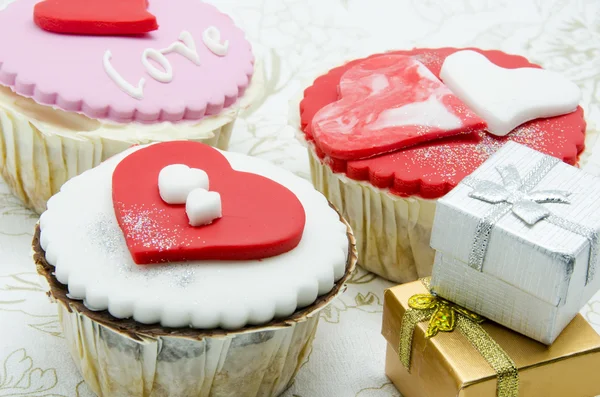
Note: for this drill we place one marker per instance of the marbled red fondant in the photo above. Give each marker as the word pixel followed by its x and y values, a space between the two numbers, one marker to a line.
pixel 388 103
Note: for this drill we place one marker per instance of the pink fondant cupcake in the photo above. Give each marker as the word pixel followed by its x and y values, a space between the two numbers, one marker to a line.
pixel 70 101
pixel 183 271
pixel 390 134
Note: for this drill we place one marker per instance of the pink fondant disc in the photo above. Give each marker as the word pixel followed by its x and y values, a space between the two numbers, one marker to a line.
pixel 67 71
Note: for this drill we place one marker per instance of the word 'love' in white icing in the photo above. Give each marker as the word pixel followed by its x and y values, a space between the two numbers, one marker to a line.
pixel 186 46
pixel 176 182
pixel 507 98
pixel 203 207
pixel 180 184
pixel 212 40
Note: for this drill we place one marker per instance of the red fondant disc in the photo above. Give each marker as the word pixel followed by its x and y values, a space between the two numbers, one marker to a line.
pixel 432 169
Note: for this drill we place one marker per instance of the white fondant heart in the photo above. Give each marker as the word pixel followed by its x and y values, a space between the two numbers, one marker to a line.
pixel 507 98
pixel 203 207
pixel 176 181
pixel 212 40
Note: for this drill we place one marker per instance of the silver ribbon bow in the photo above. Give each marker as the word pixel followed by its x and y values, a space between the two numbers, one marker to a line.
pixel 525 205
pixel 516 195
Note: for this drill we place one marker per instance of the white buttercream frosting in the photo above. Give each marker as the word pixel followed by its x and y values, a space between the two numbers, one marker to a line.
pixel 82 239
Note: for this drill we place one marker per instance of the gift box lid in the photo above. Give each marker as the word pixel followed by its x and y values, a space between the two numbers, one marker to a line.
pixel 448 363
pixel 527 219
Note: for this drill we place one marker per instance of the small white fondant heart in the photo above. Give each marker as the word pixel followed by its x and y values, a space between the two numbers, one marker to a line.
pixel 176 181
pixel 507 98
pixel 212 40
pixel 203 207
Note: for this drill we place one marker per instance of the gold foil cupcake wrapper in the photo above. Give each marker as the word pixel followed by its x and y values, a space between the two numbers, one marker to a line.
pixel 392 232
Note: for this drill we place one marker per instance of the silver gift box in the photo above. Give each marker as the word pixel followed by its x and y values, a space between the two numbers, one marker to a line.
pixel 517 242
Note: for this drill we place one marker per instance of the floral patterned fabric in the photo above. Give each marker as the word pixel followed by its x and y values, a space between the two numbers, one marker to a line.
pixel 296 40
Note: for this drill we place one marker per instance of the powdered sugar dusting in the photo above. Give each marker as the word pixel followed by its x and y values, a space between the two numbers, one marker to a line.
pixel 144 229
pixel 453 161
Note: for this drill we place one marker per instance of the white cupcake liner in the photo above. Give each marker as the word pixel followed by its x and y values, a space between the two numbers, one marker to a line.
pixel 122 358
pixel 259 363
pixel 36 161
pixel 35 165
pixel 392 233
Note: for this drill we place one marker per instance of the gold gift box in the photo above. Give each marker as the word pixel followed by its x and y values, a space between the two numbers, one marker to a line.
pixel 448 365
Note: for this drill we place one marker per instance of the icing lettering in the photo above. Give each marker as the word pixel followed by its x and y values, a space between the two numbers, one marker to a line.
pixel 165 76
pixel 212 40
pixel 186 47
pixel 136 92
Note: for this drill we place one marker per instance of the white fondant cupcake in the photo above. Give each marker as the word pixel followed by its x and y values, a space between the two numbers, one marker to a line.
pixel 153 306
pixel 70 101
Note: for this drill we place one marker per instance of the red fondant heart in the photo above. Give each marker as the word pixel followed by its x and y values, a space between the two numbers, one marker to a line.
pixel 388 103
pixel 261 218
pixel 95 17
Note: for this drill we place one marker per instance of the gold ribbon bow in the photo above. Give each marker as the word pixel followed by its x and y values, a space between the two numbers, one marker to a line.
pixel 444 313
pixel 445 316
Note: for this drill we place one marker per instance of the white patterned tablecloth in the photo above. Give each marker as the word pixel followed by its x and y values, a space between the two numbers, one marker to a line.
pixel 296 40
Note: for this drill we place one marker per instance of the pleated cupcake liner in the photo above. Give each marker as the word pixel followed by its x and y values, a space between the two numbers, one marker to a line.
pixel 35 165
pixel 36 162
pixel 392 233
pixel 123 358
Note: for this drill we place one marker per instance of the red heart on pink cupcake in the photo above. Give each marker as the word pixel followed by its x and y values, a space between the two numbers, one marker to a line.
pixel 95 17
pixel 388 103
pixel 260 217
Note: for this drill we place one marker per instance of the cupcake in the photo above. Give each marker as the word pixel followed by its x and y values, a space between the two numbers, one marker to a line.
pixel 390 134
pixel 84 88
pixel 180 270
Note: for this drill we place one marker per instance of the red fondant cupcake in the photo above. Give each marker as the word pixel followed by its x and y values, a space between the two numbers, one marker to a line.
pixel 390 134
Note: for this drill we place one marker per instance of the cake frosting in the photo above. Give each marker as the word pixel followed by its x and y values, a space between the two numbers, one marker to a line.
pixel 164 75
pixel 83 241
pixel 430 169
pixel 389 103
pixel 507 97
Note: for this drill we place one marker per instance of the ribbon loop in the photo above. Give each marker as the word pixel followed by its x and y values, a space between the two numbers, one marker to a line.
pixel 515 195
pixel 530 212
pixel 525 204
pixel 510 177
pixel 446 316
